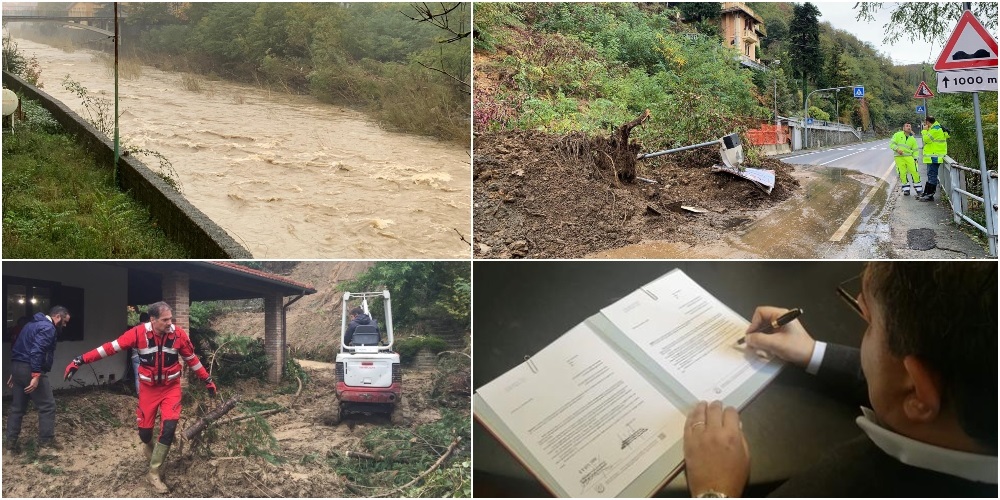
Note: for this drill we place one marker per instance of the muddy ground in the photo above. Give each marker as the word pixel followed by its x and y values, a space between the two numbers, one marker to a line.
pixel 101 456
pixel 538 195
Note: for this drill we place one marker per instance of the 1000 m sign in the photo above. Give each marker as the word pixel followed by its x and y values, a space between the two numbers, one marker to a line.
pixel 972 80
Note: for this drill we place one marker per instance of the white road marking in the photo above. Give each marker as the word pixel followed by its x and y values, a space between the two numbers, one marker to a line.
pixel 841 158
pixel 846 226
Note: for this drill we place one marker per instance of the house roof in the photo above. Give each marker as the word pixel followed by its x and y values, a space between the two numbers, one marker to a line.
pixel 208 280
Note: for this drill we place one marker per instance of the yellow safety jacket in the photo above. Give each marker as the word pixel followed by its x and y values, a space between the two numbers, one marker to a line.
pixel 903 145
pixel 935 143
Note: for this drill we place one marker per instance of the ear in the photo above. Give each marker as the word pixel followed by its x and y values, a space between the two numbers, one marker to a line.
pixel 923 404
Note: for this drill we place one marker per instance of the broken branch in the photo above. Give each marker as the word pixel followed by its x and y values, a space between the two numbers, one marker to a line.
pixel 209 417
pixel 447 453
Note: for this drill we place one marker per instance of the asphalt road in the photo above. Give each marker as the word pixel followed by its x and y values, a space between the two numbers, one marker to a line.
pixel 872 158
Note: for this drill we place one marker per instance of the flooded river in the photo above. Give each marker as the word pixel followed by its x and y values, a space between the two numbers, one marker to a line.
pixel 286 175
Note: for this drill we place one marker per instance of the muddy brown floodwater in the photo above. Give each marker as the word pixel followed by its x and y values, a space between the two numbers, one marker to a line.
pixel 286 175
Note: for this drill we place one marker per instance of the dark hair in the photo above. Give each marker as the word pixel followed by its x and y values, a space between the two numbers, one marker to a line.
pixel 144 317
pixel 156 309
pixel 945 314
pixel 356 310
pixel 58 311
pixel 930 119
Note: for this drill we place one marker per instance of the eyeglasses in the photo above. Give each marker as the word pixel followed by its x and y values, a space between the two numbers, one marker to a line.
pixel 849 290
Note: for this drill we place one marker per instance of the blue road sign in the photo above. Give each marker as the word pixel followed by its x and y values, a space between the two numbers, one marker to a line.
pixel 859 91
pixel 921 109
pixel 809 121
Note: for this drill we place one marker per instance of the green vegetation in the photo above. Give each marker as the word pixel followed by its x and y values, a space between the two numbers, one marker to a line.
pixel 587 67
pixel 408 347
pixel 405 453
pixel 59 203
pixel 15 62
pixel 428 292
pixel 412 75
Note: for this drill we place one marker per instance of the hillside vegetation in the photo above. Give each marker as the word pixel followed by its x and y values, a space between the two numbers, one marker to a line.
pixel 585 67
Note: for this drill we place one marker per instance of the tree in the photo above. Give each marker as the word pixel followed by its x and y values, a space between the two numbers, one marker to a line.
pixel 421 291
pixel 926 21
pixel 806 56
pixel 700 11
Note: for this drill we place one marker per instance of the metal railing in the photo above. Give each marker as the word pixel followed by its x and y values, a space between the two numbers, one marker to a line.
pixel 954 185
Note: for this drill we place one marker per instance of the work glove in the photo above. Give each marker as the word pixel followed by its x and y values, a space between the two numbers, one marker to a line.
pixel 210 385
pixel 72 367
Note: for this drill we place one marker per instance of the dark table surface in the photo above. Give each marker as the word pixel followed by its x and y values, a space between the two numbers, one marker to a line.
pixel 520 307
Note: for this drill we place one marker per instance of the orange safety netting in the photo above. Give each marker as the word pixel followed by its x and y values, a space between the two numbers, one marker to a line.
pixel 768 134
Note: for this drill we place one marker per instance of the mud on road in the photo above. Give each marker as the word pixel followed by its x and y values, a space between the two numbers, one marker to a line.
pixel 101 456
pixel 538 195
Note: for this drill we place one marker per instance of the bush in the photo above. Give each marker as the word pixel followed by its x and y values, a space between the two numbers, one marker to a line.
pixel 237 358
pixel 408 347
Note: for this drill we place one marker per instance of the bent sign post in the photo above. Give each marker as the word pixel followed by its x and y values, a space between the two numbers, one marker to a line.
pixel 968 63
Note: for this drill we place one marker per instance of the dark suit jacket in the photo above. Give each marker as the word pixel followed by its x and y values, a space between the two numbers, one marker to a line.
pixel 859 468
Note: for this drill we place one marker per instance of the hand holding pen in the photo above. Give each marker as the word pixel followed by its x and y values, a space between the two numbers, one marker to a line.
pixel 778 331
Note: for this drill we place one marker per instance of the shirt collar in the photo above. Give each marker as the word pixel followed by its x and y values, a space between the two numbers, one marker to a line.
pixel 50 319
pixel 971 466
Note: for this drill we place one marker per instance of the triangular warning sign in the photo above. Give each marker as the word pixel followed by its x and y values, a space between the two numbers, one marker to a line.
pixel 923 91
pixel 970 46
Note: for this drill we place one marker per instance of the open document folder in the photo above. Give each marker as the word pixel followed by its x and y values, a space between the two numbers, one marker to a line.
pixel 600 411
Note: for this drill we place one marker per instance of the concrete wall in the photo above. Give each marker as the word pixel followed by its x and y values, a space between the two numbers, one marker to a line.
pixel 176 216
pixel 820 136
pixel 105 318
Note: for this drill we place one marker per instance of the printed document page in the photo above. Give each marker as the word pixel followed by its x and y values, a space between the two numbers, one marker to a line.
pixel 585 414
pixel 689 333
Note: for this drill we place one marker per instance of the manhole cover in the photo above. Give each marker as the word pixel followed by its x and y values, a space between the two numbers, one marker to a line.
pixel 920 239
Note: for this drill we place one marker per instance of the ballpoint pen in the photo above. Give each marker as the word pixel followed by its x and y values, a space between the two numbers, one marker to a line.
pixel 776 323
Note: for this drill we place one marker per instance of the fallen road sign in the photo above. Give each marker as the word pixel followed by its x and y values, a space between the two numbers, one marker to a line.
pixel 969 80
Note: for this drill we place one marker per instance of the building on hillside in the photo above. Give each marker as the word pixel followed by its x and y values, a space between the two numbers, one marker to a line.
pixel 98 295
pixel 742 29
pixel 83 9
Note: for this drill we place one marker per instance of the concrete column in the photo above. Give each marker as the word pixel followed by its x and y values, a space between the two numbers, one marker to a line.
pixel 177 293
pixel 274 337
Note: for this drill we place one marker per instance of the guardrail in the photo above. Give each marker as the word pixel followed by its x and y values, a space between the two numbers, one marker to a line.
pixel 954 185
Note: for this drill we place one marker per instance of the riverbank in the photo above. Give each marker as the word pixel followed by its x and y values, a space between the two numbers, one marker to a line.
pixel 286 175
pixel 58 203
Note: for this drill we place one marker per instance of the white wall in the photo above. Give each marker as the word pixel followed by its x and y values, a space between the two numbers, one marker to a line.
pixel 104 301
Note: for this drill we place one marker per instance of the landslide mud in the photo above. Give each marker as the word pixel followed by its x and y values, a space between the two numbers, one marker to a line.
pixel 538 195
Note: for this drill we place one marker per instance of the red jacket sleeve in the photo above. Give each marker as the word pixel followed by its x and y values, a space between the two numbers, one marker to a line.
pixel 126 341
pixel 186 349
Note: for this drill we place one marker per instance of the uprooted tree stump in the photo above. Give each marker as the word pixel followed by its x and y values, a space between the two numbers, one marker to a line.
pixel 617 153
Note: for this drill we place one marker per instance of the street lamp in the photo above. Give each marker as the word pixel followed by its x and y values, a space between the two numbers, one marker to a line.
pixel 805 114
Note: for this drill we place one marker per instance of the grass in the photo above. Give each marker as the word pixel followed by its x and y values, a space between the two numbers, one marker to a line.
pixel 59 203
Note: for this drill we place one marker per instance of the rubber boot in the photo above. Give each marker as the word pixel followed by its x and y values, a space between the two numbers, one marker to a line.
pixel 906 190
pixel 147 450
pixel 155 475
pixel 928 193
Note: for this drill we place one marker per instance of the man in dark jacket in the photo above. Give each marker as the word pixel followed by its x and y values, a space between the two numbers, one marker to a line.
pixel 31 361
pixel 928 383
pixel 358 318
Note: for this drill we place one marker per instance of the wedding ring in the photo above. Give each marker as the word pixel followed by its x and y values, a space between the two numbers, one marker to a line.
pixel 696 424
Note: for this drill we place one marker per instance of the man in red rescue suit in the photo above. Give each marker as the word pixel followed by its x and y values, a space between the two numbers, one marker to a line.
pixel 161 347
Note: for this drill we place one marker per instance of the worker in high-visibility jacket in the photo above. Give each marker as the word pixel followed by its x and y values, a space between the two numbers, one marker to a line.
pixel 935 149
pixel 161 347
pixel 904 150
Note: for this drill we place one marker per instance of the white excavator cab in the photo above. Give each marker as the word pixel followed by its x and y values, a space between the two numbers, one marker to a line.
pixel 369 377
